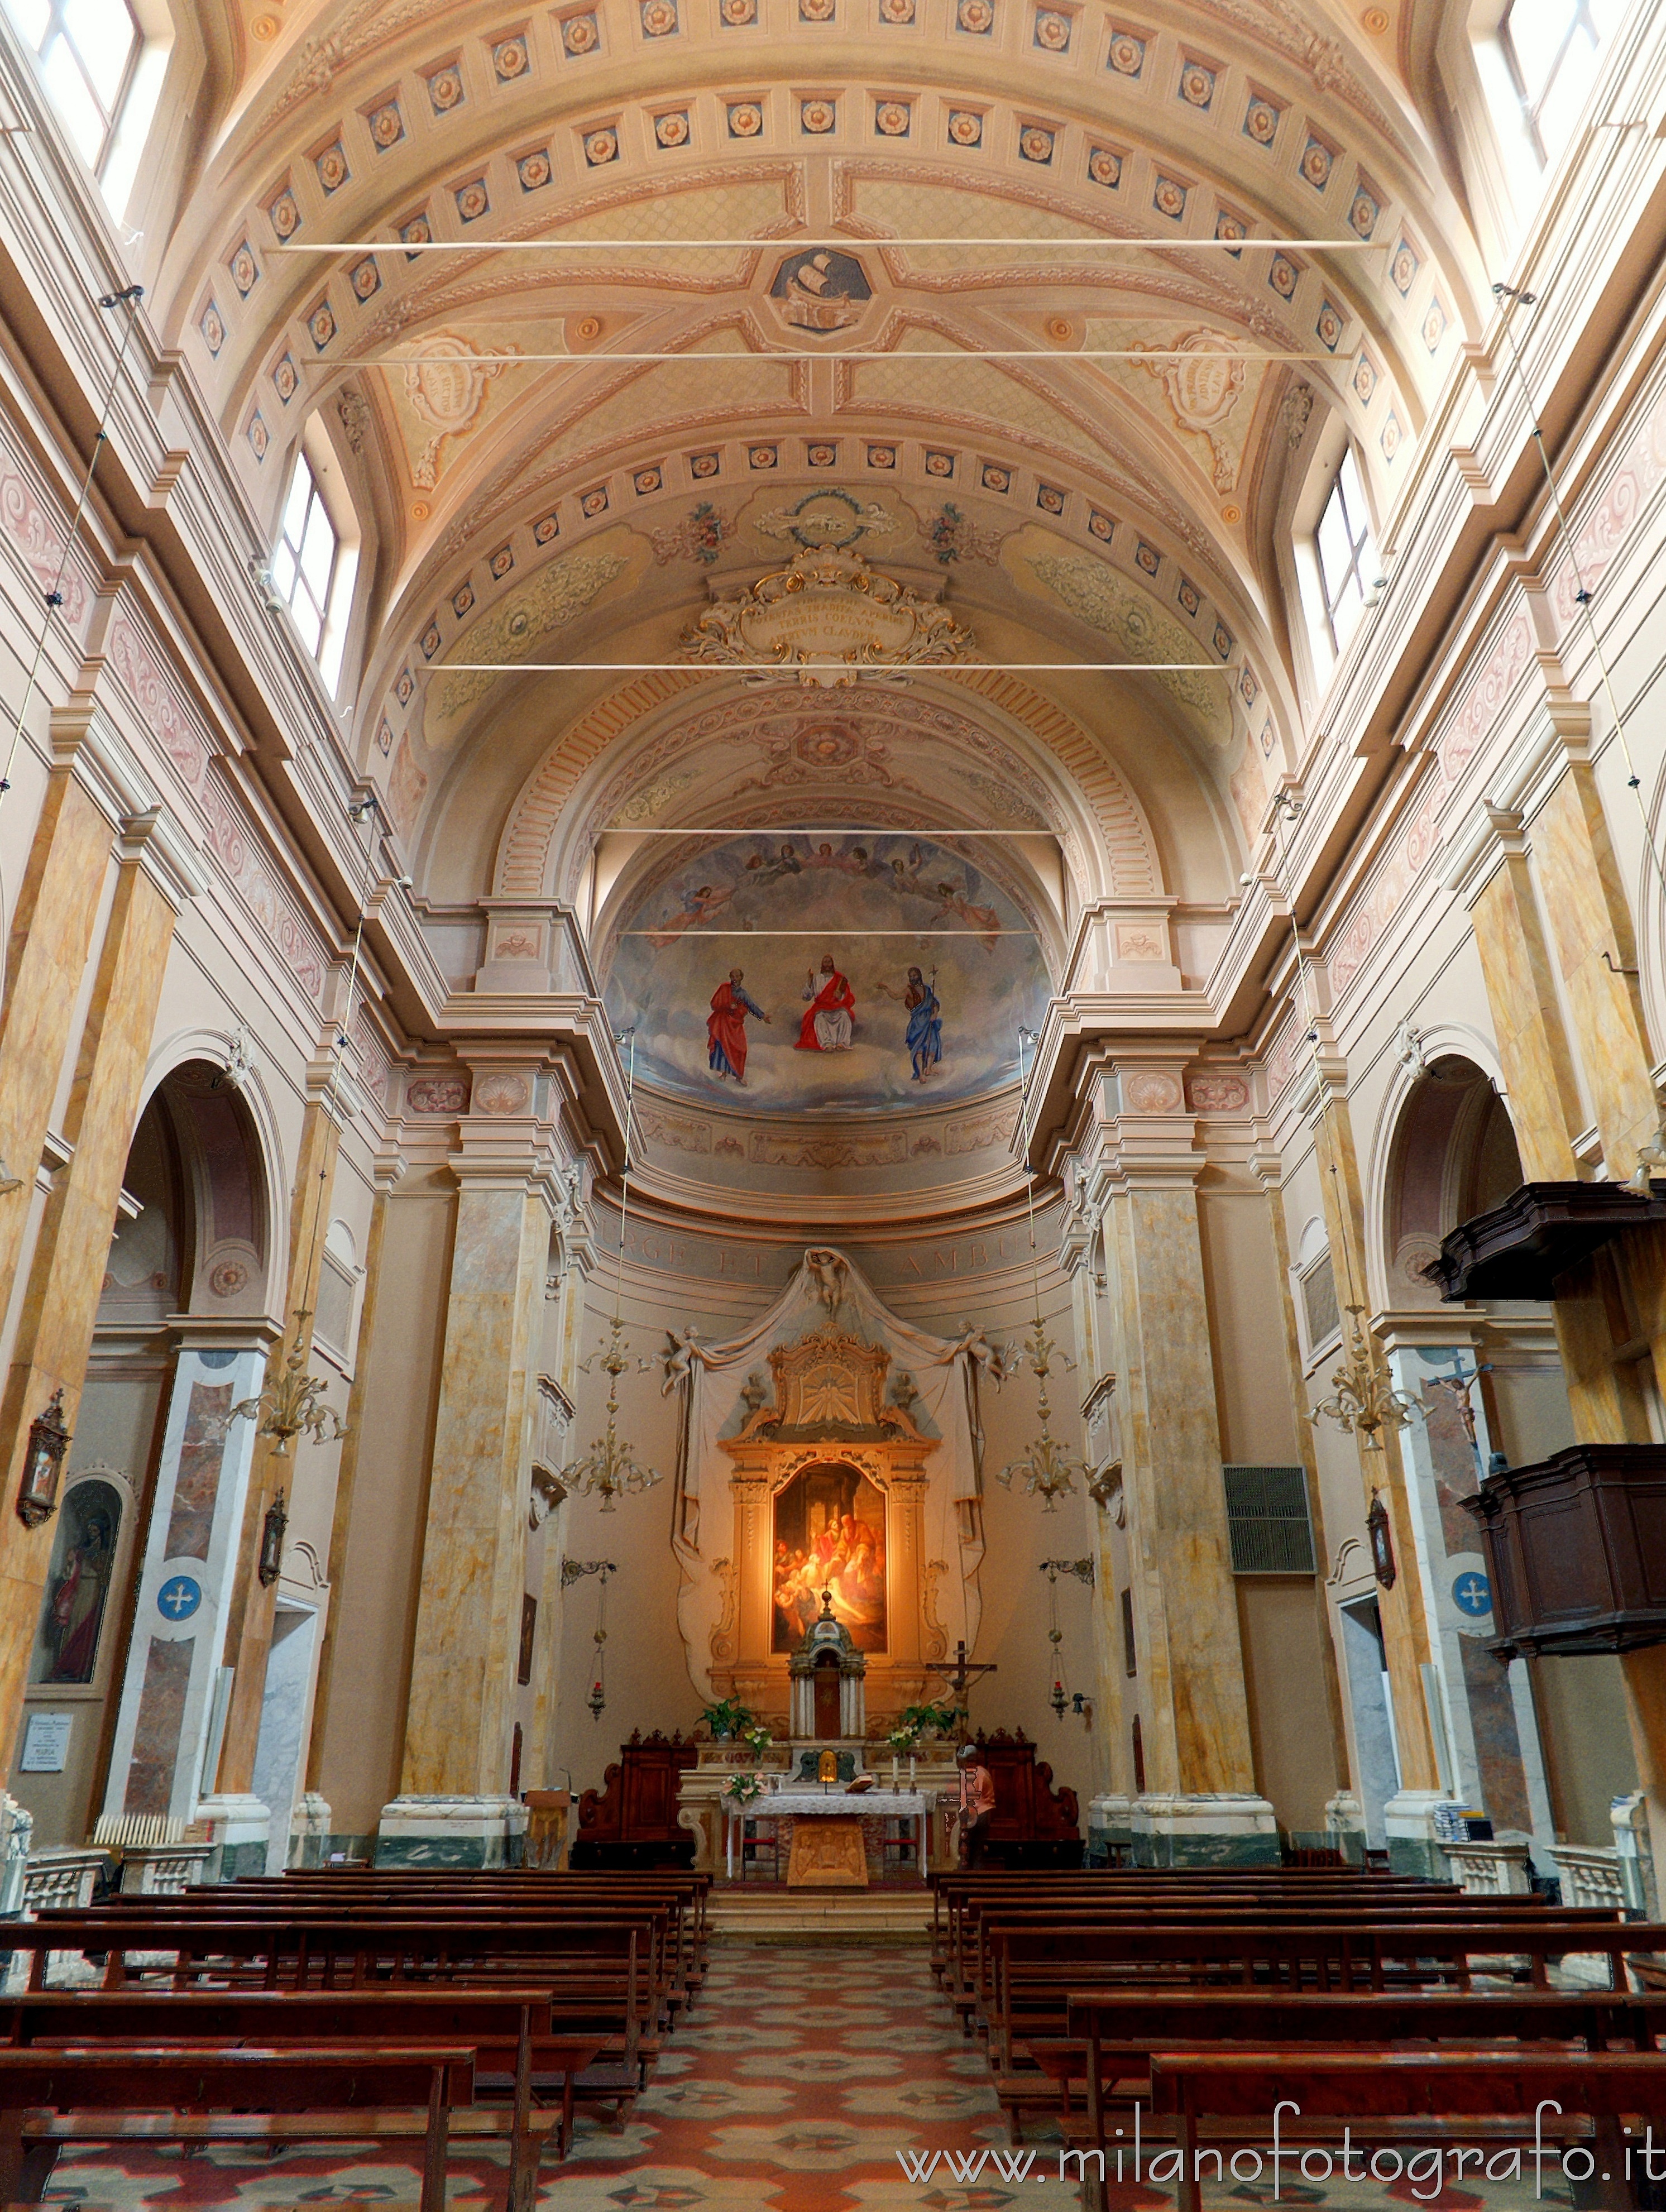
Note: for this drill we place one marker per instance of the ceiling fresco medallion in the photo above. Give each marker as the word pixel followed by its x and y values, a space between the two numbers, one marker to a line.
pixel 831 517
pixel 826 621
pixel 820 291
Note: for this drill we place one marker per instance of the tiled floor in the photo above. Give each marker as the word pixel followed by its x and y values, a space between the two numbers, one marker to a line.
pixel 802 2073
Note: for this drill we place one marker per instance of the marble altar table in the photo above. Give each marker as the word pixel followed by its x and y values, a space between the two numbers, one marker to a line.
pixel 912 1805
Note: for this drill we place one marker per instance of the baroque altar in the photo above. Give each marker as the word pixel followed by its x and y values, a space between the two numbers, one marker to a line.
pixel 828 1526
pixel 832 1447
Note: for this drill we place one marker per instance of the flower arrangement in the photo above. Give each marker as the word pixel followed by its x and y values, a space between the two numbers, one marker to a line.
pixel 727 1718
pixel 917 1721
pixel 744 1789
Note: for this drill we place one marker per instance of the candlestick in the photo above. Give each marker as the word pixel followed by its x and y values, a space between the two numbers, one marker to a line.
pixel 893 1770
pixel 910 1770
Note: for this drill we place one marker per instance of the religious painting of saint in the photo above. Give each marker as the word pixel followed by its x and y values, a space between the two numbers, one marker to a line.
pixel 830 1535
pixel 827 1026
pixel 923 1041
pixel 726 1026
pixel 79 1585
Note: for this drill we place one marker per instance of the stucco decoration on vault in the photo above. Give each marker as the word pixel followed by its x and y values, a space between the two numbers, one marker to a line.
pixel 513 631
pixel 1099 595
pixel 863 1007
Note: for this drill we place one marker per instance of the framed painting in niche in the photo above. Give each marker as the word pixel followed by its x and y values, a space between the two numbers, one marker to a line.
pixel 78 1588
pixel 829 1534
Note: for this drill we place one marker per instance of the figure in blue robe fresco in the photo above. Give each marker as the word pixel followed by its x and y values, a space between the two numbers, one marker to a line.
pixel 924 1038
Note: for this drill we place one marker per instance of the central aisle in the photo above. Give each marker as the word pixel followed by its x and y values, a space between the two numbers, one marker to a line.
pixel 803 2071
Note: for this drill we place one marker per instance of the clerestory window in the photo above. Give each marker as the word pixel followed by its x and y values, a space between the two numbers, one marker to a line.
pixel 89 50
pixel 313 569
pixel 1551 46
pixel 1344 554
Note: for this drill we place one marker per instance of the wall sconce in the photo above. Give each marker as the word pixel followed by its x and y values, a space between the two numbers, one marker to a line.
pixel 43 1464
pixel 271 1541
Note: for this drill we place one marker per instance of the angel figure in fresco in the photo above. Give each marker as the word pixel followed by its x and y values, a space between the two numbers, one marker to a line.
pixel 982 920
pixel 786 863
pixel 924 1039
pixel 726 1026
pixel 697 907
pixel 827 1026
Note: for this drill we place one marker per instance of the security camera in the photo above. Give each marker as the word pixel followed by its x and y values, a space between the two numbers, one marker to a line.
pixel 404 883
pixel 1246 881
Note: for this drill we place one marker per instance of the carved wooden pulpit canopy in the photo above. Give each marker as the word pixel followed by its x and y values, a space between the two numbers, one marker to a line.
pixel 828 1483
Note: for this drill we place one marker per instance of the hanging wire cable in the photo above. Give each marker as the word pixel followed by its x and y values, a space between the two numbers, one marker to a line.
pixel 1047 1468
pixel 53 596
pixel 609 1470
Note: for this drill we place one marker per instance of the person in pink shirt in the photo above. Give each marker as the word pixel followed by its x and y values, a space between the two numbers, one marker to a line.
pixel 976 1804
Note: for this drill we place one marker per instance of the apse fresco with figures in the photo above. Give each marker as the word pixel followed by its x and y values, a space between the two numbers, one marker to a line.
pixel 830 1535
pixel 907 975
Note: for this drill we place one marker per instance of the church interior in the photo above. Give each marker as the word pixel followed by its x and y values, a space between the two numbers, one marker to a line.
pixel 832 1204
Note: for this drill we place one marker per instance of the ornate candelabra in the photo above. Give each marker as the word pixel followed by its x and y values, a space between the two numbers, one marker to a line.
pixel 1047 1467
pixel 608 1469
pixel 292 1403
pixel 1363 1401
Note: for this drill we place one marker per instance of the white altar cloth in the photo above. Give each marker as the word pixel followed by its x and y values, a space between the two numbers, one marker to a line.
pixel 810 1803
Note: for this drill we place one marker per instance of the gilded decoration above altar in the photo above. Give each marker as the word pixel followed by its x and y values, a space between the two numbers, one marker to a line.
pixel 826 621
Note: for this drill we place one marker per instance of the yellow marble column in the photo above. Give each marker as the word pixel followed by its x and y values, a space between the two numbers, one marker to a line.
pixel 463 1668
pixel 1578 915
pixel 1406 1638
pixel 1195 1708
pixel 347 1468
pixel 66 1275
pixel 51 935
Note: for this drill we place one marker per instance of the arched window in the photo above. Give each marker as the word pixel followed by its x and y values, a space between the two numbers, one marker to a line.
pixel 89 50
pixel 316 559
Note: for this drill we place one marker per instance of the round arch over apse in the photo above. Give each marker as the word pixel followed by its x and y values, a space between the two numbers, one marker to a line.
pixel 1103 831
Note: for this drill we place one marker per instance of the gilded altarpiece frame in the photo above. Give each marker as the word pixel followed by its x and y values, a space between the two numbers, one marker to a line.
pixel 829 1411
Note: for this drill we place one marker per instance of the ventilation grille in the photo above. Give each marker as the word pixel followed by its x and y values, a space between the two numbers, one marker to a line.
pixel 1266 1519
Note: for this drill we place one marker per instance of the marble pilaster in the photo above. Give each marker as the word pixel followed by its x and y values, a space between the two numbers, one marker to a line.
pixel 60 1304
pixel 459 1715
pixel 1403 1608
pixel 388 1174
pixel 1194 1705
pixel 51 935
pixel 1579 909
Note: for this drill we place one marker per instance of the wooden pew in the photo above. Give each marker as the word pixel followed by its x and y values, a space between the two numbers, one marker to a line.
pixel 1112 2034
pixel 959 1900
pixel 663 1974
pixel 515 2044
pixel 592 1969
pixel 332 2093
pixel 1433 2099
pixel 1028 1968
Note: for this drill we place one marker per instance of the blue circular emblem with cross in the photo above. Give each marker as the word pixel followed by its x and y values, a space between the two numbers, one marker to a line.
pixel 178 1597
pixel 1473 1594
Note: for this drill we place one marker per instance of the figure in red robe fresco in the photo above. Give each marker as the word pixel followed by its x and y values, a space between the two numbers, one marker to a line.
pixel 827 1026
pixel 726 1026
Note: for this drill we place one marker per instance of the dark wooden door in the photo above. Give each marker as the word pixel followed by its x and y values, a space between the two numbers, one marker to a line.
pixel 827 1702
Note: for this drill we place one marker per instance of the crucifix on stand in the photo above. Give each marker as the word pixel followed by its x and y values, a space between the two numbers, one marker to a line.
pixel 960 1677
